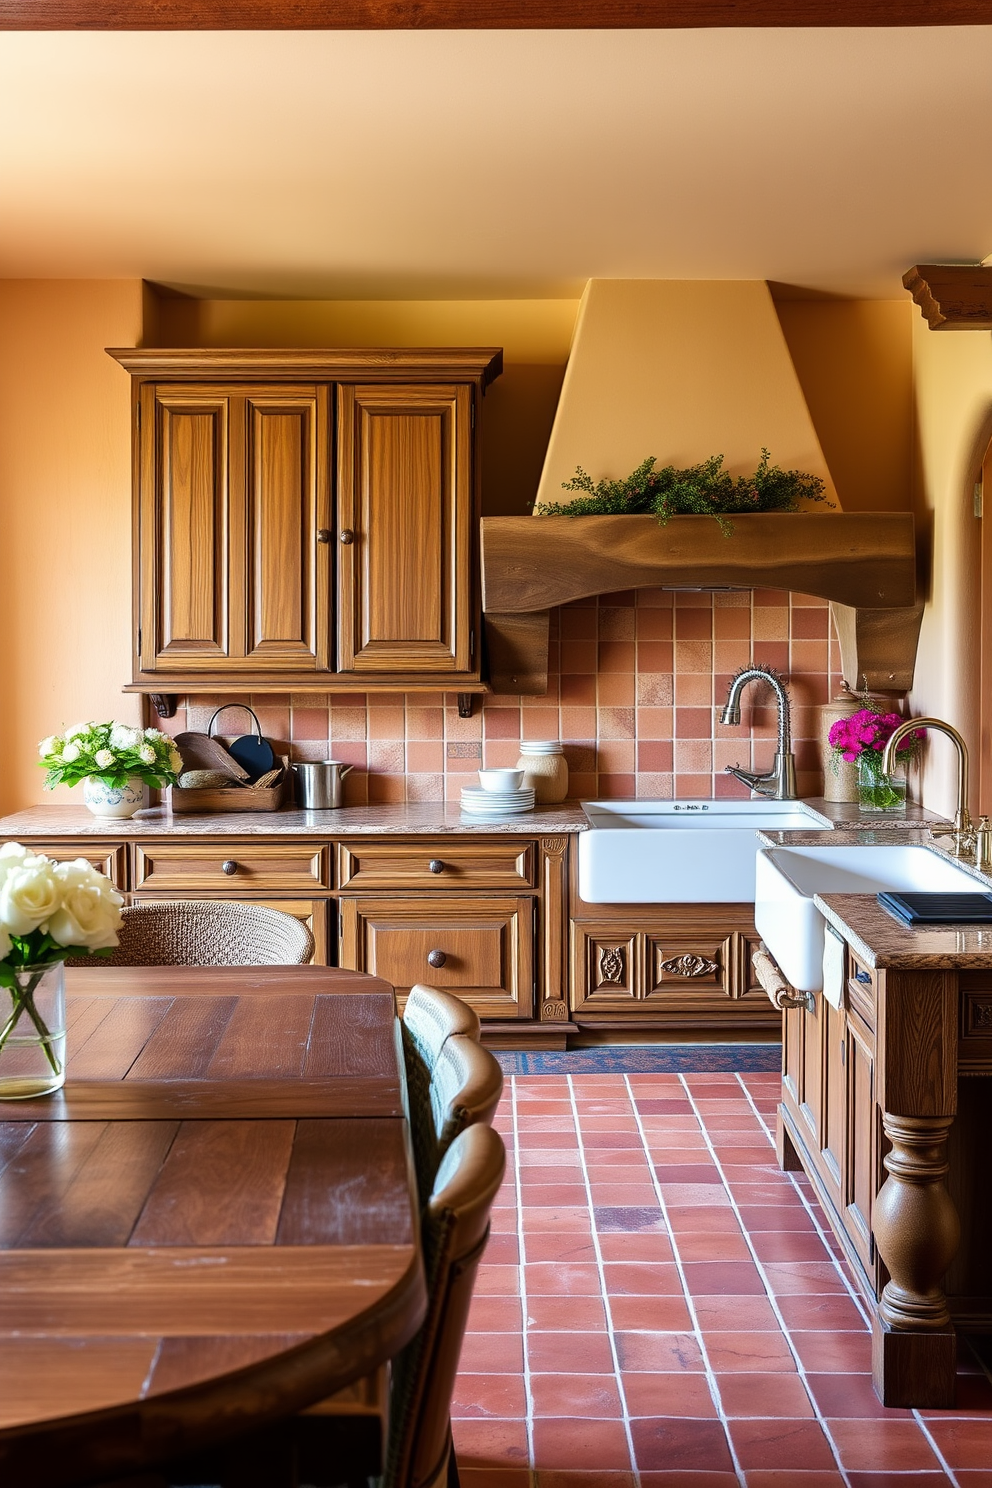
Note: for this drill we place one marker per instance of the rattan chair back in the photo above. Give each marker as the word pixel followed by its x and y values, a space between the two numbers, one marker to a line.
pixel 190 932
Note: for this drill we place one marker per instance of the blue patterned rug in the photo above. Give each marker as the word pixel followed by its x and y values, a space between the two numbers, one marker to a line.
pixel 644 1059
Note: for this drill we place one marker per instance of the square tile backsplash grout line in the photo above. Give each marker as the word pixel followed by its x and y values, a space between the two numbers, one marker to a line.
pixel 711 1379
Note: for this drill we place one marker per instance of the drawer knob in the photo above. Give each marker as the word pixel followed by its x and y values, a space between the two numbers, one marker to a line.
pixel 229 866
pixel 436 958
pixel 347 537
pixel 323 534
pixel 435 865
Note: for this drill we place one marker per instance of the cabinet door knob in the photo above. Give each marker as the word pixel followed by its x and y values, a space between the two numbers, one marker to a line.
pixel 436 958
pixel 435 865
pixel 347 537
pixel 323 534
pixel 229 866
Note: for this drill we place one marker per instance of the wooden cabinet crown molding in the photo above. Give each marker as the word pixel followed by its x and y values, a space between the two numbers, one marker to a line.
pixel 952 297
pixel 336 364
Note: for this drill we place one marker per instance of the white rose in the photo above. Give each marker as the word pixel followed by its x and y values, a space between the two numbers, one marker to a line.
pixel 13 855
pixel 51 745
pixel 146 754
pixel 90 913
pixel 71 753
pixel 124 737
pixel 105 758
pixel 29 896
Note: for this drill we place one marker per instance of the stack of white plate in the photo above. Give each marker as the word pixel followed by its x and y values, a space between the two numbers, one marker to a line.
pixel 479 802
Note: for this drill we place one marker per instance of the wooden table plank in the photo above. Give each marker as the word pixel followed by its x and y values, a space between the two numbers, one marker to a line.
pixel 183 1044
pixel 266 1037
pixel 164 1100
pixel 110 1048
pixel 352 1037
pixel 221 1184
pixel 88 1373
pixel 98 980
pixel 348 1185
pixel 42 1173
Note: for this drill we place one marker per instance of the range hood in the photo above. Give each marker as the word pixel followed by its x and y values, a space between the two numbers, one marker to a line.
pixel 683 370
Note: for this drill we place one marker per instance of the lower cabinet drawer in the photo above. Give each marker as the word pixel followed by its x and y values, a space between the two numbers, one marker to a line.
pixel 312 912
pixel 438 863
pixel 481 949
pixel 109 860
pixel 191 867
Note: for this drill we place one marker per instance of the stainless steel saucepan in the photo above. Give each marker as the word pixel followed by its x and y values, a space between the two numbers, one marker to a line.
pixel 318 786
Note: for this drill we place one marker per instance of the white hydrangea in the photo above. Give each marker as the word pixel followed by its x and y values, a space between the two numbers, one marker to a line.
pixel 151 733
pixel 77 730
pixel 105 758
pixel 175 760
pixel 51 745
pixel 122 736
pixel 71 753
pixel 146 754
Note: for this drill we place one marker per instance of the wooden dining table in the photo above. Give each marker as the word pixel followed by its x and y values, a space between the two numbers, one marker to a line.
pixel 212 1225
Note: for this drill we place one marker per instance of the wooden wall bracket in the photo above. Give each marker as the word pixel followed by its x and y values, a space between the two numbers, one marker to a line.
pixel 466 702
pixel 164 703
pixel 952 297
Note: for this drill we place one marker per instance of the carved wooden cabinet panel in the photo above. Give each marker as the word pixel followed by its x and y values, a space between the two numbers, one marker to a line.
pixel 232 491
pixel 405 507
pixel 479 948
pixel 683 965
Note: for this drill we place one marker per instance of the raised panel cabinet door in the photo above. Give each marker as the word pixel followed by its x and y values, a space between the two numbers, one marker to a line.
pixel 606 972
pixel 406 517
pixel 861 1168
pixel 286 601
pixel 109 860
pixel 184 527
pixel 480 949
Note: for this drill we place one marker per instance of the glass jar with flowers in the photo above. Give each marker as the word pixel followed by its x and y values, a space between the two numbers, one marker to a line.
pixel 860 739
pixel 114 762
pixel 48 911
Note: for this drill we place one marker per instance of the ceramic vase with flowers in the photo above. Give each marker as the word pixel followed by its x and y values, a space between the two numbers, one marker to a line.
pixel 860 739
pixel 48 911
pixel 114 762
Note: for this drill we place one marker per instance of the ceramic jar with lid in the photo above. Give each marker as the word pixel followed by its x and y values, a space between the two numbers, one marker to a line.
pixel 545 769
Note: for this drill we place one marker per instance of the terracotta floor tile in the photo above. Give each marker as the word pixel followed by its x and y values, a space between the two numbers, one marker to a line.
pixel 492 1353
pixel 776 1477
pixel 486 1443
pixel 792 1277
pixel 787 1245
pixel 758 1217
pixel 695 1246
pixel 754 1353
pixel 658 1394
pixel 770 1191
pixel 699 1172
pixel 799 1446
pixel 911 1480
pixel 829 1311
pixel 888 1446
pixel 588 1395
pixel 773 1395
pixel 502 1250
pixel 726 1314
pixel 576 1443
pixel 657 1314
pixel 579 1479
pixel 737 1278
pixel 640 1195
pixel 696 1195
pixel 559 1221
pixel 657 1352
pixel 711 1220
pixel 496 1281
pixel 626 1219
pixel 551 1196
pixel 824 1352
pixel 645 1245
pixel 495 1315
pixel 568 1250
pixel 558 1314
pixel 569 1353
pixel 669 1443
pixel 679 1479
pixel 642 1279
pixel 498 1395
pixel 493 1477
pixel 963 1443
pixel 851 1397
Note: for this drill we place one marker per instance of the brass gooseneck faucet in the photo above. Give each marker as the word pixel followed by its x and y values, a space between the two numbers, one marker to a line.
pixel 969 838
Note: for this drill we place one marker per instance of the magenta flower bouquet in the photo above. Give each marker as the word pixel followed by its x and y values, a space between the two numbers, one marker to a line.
pixel 861 739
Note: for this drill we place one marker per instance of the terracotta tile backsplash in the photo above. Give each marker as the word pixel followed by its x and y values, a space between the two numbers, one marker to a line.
pixel 636 684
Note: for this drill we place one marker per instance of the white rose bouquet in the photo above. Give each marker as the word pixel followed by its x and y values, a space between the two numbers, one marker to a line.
pixel 48 911
pixel 112 752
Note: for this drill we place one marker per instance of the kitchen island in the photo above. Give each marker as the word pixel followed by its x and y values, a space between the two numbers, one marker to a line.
pixel 887 1105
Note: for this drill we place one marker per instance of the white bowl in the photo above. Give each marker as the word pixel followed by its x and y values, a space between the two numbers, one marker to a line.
pixel 501 780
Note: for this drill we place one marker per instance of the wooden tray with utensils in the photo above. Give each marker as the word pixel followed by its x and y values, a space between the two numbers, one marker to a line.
pixel 265 795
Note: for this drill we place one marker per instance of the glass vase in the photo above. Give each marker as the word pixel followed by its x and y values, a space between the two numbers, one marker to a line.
pixel 32 1032
pixel 879 793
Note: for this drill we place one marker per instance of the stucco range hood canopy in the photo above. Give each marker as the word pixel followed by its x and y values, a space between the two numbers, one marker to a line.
pixel 685 370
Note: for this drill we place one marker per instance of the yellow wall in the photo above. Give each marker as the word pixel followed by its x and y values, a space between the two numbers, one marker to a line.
pixel 953 406
pixel 854 360
pixel 65 565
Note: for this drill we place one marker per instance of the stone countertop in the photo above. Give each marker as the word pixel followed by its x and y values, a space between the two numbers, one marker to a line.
pixel 884 944
pixel 422 819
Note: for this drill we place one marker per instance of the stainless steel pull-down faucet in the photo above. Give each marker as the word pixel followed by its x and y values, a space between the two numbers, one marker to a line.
pixel 780 782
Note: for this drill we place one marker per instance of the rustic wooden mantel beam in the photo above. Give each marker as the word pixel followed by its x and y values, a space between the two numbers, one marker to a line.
pixel 952 297
pixel 465 15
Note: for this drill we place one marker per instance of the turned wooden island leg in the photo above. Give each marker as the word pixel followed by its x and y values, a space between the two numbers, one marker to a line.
pixel 917 1231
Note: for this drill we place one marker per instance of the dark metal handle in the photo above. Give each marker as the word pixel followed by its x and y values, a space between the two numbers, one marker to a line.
pixel 435 865
pixel 862 976
pixel 436 958
pixel 347 537
pixel 323 534
pixel 229 866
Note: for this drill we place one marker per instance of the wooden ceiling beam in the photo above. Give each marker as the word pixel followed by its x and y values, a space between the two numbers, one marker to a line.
pixel 475 15
pixel 952 297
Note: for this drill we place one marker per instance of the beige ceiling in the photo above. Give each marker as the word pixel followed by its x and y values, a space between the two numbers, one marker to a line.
pixel 449 164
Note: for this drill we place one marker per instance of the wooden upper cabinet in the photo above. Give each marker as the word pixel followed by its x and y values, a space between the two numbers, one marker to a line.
pixel 233 488
pixel 406 513
pixel 306 518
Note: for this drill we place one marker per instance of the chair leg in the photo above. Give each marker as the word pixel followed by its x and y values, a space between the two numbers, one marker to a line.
pixel 454 1481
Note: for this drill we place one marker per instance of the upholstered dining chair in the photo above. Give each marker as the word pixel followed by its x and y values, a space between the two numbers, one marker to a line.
pixel 430 1018
pixel 195 932
pixel 464 1087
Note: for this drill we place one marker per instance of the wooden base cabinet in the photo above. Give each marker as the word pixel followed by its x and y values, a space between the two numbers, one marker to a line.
pixel 679 966
pixel 479 948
